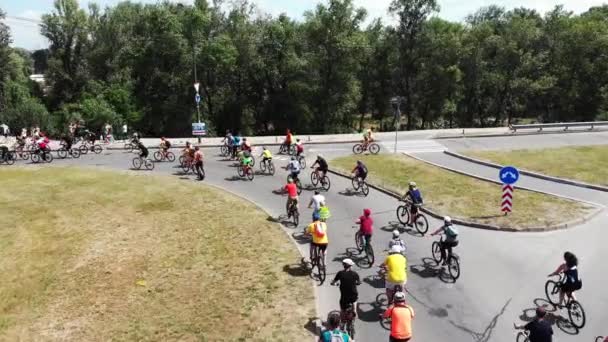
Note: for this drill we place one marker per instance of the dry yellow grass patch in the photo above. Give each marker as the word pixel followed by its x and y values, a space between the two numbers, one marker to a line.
pixel 90 256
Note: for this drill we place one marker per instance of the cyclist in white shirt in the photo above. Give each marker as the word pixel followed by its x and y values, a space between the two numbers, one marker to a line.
pixel 317 201
pixel 397 241
pixel 294 168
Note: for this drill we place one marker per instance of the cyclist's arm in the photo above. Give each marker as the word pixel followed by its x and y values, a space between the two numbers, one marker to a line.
pixel 388 312
pixel 440 230
pixel 336 278
pixel 559 270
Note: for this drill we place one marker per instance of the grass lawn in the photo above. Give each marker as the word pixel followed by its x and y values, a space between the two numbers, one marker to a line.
pixel 586 163
pixel 449 193
pixel 89 255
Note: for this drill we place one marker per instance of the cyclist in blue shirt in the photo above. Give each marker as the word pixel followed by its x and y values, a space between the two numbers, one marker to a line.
pixel 333 332
pixel 360 170
pixel 236 142
pixel 415 197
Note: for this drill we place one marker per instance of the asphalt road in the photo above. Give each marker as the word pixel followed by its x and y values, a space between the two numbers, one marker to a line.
pixel 503 274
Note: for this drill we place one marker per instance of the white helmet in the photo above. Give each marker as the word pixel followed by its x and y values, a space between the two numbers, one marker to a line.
pixel 447 219
pixel 395 249
pixel 413 184
pixel 399 297
pixel 396 233
pixel 348 262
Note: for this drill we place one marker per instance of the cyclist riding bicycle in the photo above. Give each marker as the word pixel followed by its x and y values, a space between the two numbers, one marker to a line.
pixel 401 316
pixel 198 162
pixel 451 238
pixel 397 241
pixel 91 137
pixel 318 230
pixel 323 166
pixel 317 201
pixel 266 154
pixel 360 170
pixel 43 144
pixel 395 265
pixel 539 329
pixel 366 226
pixel 292 196
pixel 246 145
pixel 246 161
pixel 299 147
pixel 572 282
pixel 349 280
pixel 294 168
pixel 67 141
pixel 288 139
pixel 414 196
pixel 333 332
pixel 143 150
pixel 367 137
pixel 236 143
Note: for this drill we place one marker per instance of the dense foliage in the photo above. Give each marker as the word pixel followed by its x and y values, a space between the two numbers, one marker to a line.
pixel 134 63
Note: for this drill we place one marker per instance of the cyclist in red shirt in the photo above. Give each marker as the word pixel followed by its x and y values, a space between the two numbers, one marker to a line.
pixel 366 226
pixel 198 162
pixel 299 147
pixel 292 194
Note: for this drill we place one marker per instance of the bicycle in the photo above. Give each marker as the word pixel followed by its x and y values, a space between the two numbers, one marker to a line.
pixel 362 246
pixel 40 156
pixel 9 158
pixel 87 146
pixel 267 165
pixel 302 160
pixel 225 150
pixel 245 170
pixel 297 181
pixel 188 165
pixel 383 298
pixel 63 152
pixel 294 213
pixel 138 162
pixel 21 152
pixel 284 149
pixel 600 339
pixel 347 319
pixel 453 261
pixel 523 336
pixel 359 183
pixel 420 222
pixel 372 147
pixel 316 178
pixel 160 156
pixel 576 313
pixel 318 261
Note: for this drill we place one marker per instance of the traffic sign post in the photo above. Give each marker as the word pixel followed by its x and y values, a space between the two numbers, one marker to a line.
pixel 508 176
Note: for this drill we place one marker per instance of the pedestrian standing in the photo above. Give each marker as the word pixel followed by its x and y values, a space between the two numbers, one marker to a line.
pixel 198 163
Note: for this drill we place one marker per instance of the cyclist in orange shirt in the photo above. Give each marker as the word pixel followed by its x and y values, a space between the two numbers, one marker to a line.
pixel 401 316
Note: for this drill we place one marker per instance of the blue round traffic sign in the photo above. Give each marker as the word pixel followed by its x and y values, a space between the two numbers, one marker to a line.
pixel 197 98
pixel 508 175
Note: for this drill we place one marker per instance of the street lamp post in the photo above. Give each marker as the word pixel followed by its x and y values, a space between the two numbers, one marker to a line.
pixel 197 97
pixel 396 103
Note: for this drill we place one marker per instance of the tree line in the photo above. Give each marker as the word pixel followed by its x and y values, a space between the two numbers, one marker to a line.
pixel 135 64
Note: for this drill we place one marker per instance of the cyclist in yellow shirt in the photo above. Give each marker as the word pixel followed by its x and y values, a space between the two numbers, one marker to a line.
pixel 266 154
pixel 318 230
pixel 396 271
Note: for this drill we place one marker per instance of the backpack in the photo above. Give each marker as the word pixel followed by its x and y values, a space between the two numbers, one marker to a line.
pixel 451 231
pixel 167 143
pixel 319 232
pixel 336 336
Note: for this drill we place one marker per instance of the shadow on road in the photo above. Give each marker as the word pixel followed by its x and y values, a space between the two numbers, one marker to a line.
pixel 296 270
pixel 553 316
pixel 370 312
pixel 351 193
pixel 374 281
pixel 235 178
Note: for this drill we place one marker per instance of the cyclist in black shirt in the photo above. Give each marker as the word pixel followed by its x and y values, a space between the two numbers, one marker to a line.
pixel 323 166
pixel 349 280
pixel 142 149
pixel 539 329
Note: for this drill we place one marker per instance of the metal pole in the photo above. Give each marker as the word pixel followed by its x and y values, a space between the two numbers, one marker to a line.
pixel 397 124
pixel 198 112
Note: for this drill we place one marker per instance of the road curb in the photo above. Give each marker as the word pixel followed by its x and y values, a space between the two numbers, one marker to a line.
pixel 512 134
pixel 530 173
pixel 476 224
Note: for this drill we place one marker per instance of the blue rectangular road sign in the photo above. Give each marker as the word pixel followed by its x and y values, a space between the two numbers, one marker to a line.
pixel 199 128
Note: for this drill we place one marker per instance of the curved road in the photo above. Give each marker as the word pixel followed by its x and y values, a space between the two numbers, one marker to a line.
pixel 503 274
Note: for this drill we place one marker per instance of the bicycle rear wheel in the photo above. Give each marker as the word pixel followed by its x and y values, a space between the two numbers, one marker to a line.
pixel 11 156
pixel 35 158
pixel 325 183
pixel 271 168
pixel 321 270
pixel 374 148
pixel 403 215
pixel 62 153
pixel 84 149
pixel 522 337
pixel 48 157
pixel 350 329
pixel 75 153
pixel 149 164
pixel 364 188
pixel 436 251
pixel 181 160
pixel 170 157
pixel 552 291
pixel 136 163
pixel 296 217
pixel 224 150
pixel 369 254
pixel 422 224
pixel 454 267
pixel 97 149
pixel 263 166
pixel 186 167
pixel 302 162
pixel 358 241
pixel 299 186
pixel 358 149
pixel 250 173
pixel 292 150
pixel 355 182
pixel 158 156
pixel 576 314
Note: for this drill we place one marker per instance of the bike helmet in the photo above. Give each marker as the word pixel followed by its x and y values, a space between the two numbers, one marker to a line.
pixel 263 147
pixel 395 249
pixel 319 156
pixel 413 184
pixel 348 262
pixel 447 219
pixel 333 319
pixel 290 180
pixel 396 233
pixel 399 297
pixel 367 212
pixel 359 162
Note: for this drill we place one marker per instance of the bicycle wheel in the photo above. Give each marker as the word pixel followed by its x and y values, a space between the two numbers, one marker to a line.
pixel 48 157
pixel 84 149
pixel 325 183
pixel 25 155
pixel 454 267
pixel 436 251
pixel 170 157
pixel 365 189
pixel 240 171
pixel 403 215
pixel 35 158
pixel 149 164
pixel 181 160
pixel 369 254
pixel 374 148
pixel 522 337
pixel 250 173
pixel 271 168
pixel 314 178
pixel 137 163
pixel 75 153
pixel 296 217
pixel 552 291
pixel 263 166
pixel 350 329
pixel 358 149
pixel 302 162
pixel 599 339
pixel 355 182
pixel 158 156
pixel 224 150
pixel 201 173
pixel 292 150
pixel 299 186
pixel 321 270
pixel 62 153
pixel 252 161
pixel 382 299
pixel 97 149
pixel 358 241
pixel 186 167
pixel 422 224
pixel 576 314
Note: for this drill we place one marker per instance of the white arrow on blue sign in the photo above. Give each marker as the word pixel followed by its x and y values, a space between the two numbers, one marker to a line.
pixel 508 175
pixel 197 98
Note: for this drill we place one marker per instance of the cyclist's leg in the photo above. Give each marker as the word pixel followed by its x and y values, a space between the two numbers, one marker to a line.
pixel 443 247
pixel 368 240
pixel 323 251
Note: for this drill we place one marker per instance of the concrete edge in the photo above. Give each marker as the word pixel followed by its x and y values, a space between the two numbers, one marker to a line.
pixel 531 173
pixel 510 133
pixel 483 226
